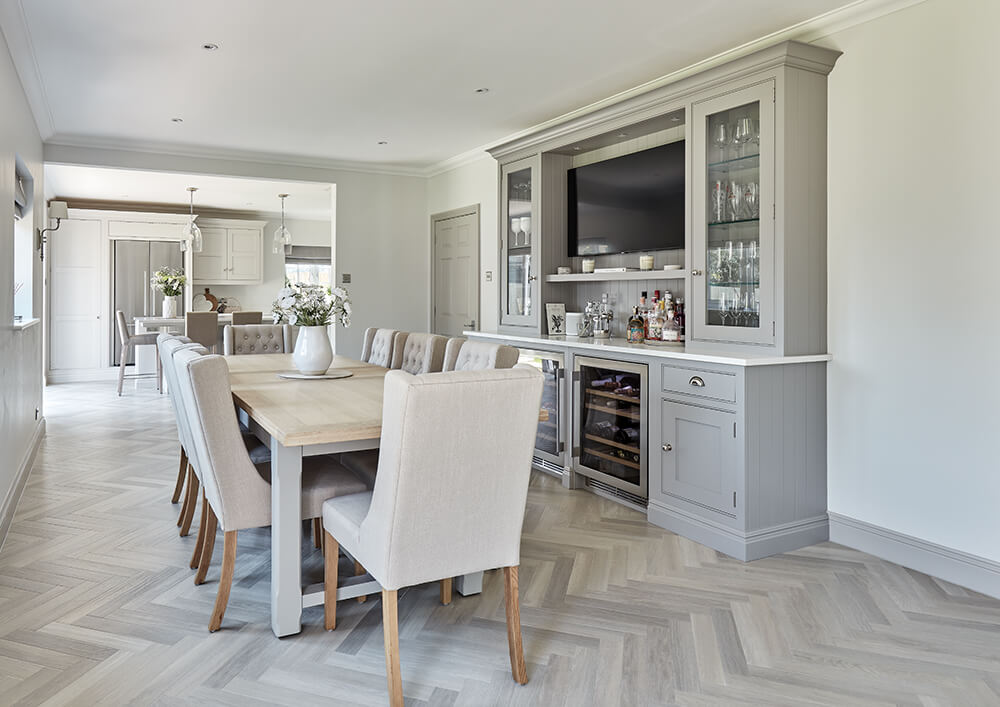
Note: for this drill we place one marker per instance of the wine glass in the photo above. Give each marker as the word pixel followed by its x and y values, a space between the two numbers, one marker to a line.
pixel 724 306
pixel 526 229
pixel 738 259
pixel 753 262
pixel 743 133
pixel 718 201
pixel 515 228
pixel 751 200
pixel 735 197
pixel 720 137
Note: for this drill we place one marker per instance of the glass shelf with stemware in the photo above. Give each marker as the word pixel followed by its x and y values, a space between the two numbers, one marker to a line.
pixel 736 163
pixel 716 224
pixel 755 283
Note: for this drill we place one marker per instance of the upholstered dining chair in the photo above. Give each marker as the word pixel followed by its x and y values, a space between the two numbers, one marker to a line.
pixel 418 353
pixel 202 328
pixel 129 342
pixel 166 357
pixel 377 348
pixel 237 492
pixel 465 356
pixel 449 498
pixel 248 318
pixel 240 339
pixel 477 355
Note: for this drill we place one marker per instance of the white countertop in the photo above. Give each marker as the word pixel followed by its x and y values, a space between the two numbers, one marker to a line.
pixel 672 351
pixel 154 322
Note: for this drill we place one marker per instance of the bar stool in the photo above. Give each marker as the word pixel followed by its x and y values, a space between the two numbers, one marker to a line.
pixel 129 342
pixel 202 328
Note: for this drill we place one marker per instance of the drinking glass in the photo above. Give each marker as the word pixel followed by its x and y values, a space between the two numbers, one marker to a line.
pixel 742 134
pixel 739 260
pixel 751 200
pixel 734 195
pixel 753 262
pixel 526 228
pixel 515 229
pixel 720 136
pixel 718 201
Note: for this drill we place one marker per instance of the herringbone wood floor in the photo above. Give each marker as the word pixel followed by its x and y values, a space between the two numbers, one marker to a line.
pixel 97 606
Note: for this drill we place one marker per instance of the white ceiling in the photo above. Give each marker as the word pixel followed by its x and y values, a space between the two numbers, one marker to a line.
pixel 309 200
pixel 328 79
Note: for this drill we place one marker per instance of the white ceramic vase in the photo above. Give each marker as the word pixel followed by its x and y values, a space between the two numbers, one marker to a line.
pixel 169 307
pixel 313 353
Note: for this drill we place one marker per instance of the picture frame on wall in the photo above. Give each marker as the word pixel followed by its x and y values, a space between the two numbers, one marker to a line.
pixel 555 316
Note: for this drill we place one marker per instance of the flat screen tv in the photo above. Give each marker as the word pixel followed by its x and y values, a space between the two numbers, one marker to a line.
pixel 629 203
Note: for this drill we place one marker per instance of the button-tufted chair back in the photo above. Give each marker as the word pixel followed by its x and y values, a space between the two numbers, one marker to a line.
pixel 479 355
pixel 256 339
pixel 418 353
pixel 451 350
pixel 378 346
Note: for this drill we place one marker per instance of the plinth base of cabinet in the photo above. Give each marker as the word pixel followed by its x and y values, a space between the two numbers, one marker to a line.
pixel 745 546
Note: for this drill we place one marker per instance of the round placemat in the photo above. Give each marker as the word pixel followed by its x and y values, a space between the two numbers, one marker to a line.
pixel 330 375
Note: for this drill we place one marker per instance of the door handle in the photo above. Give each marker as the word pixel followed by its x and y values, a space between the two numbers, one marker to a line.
pixel 470 325
pixel 696 273
pixel 667 448
pixel 697 382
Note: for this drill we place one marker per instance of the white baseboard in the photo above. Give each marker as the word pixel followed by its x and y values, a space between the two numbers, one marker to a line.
pixel 20 478
pixel 961 568
pixel 82 375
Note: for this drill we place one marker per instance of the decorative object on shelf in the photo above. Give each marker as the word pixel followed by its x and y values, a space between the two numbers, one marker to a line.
pixel 193 232
pixel 170 282
pixel 588 265
pixel 228 304
pixel 282 236
pixel 645 262
pixel 672 267
pixel 312 308
pixel 563 270
pixel 597 319
pixel 204 302
pixel 574 321
pixel 555 315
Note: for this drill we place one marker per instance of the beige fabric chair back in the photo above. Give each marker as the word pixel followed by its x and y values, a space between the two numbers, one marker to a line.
pixel 453 471
pixel 418 353
pixel 248 318
pixel 256 339
pixel 168 345
pixel 451 350
pixel 202 328
pixel 378 346
pixel 478 355
pixel 236 492
pixel 122 327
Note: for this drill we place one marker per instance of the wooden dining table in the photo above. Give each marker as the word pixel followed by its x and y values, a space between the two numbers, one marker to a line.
pixel 298 418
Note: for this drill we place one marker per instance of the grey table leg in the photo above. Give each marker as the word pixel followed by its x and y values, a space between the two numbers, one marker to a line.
pixel 469 584
pixel 286 539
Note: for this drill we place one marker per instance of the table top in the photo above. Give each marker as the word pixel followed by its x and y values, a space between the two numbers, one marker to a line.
pixel 151 322
pixel 304 412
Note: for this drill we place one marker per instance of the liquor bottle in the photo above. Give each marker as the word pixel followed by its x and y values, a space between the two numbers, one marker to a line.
pixel 655 322
pixel 636 328
pixel 670 332
pixel 679 318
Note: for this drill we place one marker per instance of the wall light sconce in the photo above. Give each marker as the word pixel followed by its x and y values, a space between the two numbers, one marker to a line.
pixel 58 210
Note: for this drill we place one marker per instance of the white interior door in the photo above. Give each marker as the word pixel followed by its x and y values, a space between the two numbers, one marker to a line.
pixel 76 329
pixel 456 263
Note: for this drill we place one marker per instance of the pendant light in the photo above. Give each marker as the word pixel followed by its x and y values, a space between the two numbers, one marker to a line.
pixel 193 232
pixel 282 236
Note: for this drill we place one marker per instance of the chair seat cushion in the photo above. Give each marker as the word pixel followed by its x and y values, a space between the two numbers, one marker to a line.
pixel 342 518
pixel 364 464
pixel 322 478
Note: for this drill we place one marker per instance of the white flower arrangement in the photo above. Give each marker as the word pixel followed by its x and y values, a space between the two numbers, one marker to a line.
pixel 311 305
pixel 169 281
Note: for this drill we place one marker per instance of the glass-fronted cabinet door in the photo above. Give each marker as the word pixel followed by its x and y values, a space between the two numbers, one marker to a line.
pixel 733 217
pixel 519 243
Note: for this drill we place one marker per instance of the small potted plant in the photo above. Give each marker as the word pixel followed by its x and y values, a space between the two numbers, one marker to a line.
pixel 312 308
pixel 169 281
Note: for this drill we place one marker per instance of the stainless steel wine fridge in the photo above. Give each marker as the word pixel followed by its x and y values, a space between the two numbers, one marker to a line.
pixel 610 424
pixel 549 447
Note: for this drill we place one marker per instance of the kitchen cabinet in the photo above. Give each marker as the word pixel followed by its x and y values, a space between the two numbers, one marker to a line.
pixel 230 254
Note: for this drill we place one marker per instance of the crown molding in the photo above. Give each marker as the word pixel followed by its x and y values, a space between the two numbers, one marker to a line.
pixel 67 149
pixel 14 28
pixel 461 160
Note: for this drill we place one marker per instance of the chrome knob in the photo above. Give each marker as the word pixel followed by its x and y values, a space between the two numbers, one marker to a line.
pixel 667 448
pixel 532 278
pixel 696 273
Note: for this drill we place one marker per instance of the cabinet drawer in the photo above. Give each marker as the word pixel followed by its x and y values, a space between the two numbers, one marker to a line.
pixel 699 383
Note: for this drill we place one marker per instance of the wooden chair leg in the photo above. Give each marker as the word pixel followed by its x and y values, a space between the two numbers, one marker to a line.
pixel 200 541
pixel 208 544
pixel 184 505
pixel 446 591
pixel 191 504
pixel 318 532
pixel 390 636
pixel 513 606
pixel 358 571
pixel 331 558
pixel 121 369
pixel 181 473
pixel 225 581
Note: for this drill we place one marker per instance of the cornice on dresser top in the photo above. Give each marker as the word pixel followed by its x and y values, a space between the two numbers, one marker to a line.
pixel 671 351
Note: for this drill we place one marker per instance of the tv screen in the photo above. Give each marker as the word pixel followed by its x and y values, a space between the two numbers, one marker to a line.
pixel 629 203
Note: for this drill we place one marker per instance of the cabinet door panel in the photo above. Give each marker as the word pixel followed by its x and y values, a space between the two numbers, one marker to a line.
pixel 699 460
pixel 521 233
pixel 244 253
pixel 210 264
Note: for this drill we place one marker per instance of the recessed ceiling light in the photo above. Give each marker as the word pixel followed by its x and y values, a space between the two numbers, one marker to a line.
pixel 177 120
pixel 482 90
pixel 675 118
pixel 622 135
pixel 383 142
pixel 576 147
pixel 210 47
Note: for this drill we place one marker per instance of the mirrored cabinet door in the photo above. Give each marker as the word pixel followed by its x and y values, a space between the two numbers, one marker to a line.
pixel 519 260
pixel 733 232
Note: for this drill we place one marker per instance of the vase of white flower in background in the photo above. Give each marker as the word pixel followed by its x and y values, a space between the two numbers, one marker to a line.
pixel 169 281
pixel 312 308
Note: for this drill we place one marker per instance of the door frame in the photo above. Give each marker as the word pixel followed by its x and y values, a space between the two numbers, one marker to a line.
pixel 473 210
